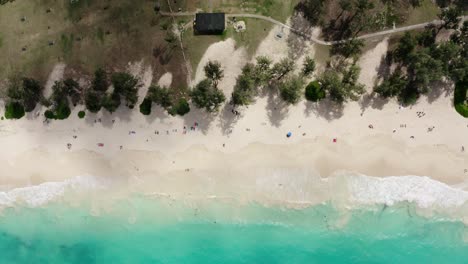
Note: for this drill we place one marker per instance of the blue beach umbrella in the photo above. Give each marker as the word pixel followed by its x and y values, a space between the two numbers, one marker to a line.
pixel 289 134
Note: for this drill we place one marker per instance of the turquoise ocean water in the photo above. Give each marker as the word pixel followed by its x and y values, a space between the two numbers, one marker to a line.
pixel 150 230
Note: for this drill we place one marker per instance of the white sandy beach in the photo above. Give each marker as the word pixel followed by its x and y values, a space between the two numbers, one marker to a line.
pixel 249 158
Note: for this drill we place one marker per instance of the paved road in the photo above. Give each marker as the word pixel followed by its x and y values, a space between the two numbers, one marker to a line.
pixel 316 40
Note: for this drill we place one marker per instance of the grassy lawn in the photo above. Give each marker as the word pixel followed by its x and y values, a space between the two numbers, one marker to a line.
pixel 256 31
pixel 85 35
pixel 278 9
pixel 426 12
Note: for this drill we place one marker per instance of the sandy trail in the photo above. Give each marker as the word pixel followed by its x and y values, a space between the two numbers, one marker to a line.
pixel 370 62
pixel 231 60
pixel 55 75
pixel 165 80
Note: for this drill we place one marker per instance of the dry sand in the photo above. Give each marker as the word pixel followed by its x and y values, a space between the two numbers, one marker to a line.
pixel 165 80
pixel 231 58
pixel 370 62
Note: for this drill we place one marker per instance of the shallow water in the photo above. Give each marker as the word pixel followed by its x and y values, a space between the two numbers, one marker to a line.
pixel 161 230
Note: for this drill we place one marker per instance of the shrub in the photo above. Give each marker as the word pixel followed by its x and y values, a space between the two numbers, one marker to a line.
pixel 145 106
pixel 313 92
pixel 181 108
pixel 49 114
pixel 14 110
pixel 81 114
pixel 291 89
pixel 62 112
pixel 461 105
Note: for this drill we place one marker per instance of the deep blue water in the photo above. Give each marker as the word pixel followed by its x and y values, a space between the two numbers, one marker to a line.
pixel 144 230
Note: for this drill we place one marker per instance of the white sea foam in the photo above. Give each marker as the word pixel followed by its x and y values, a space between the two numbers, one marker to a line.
pixel 41 194
pixel 354 190
pixel 422 191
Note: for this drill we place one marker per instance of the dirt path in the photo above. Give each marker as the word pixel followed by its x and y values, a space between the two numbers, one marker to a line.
pixel 319 41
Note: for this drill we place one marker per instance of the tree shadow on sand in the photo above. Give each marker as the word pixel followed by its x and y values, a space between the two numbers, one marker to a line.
pixel 199 116
pixel 277 109
pixel 227 119
pixel 297 43
pixel 325 108
pixel 157 112
pixel 438 89
pixel 372 100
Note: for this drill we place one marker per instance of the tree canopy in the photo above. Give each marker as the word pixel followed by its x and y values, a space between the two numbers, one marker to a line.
pixel 214 72
pixel 291 89
pixel 314 92
pixel 206 95
pixel 308 67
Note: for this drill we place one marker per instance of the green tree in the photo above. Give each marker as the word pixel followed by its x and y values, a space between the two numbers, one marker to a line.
pixel 350 48
pixel 424 69
pixel 100 82
pixel 214 72
pixel 291 89
pixel 342 88
pixel 93 100
pixel 244 90
pixel 181 108
pixel 447 53
pixel 427 38
pixel 282 68
pixel 405 47
pixel 206 95
pixel 392 86
pixel 314 92
pixel 59 101
pixel 81 114
pixel 261 72
pixel 74 90
pixel 29 93
pixel 311 9
pixel 127 86
pixel 308 67
pixel 331 82
pixel 145 106
pixel 14 110
pixel 450 17
pixel 111 102
pixel 160 96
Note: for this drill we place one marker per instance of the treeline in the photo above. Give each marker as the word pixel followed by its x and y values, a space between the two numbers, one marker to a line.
pixel 2 2
pixel 343 19
pixel 420 61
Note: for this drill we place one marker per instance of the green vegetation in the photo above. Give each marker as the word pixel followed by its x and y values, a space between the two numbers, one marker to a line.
pixel 125 86
pixel 340 84
pixel 26 91
pixel 314 92
pixel 309 66
pixel 181 108
pixel 14 110
pixel 206 93
pixel 81 114
pixel 351 48
pixel 346 19
pixel 145 106
pixel 461 98
pixel 95 95
pixel 420 61
pixel 291 89
pixel 165 98
pixel 59 100
pixel 275 77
